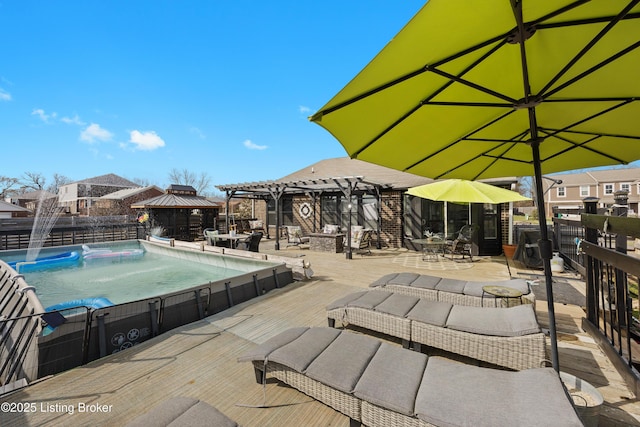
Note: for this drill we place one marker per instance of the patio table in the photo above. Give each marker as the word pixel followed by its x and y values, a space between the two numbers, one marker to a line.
pixel 431 248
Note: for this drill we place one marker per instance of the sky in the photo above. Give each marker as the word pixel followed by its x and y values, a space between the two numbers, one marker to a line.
pixel 215 87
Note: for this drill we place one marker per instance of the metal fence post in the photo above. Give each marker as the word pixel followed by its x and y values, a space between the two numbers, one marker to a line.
pixel 591 236
pixel 620 199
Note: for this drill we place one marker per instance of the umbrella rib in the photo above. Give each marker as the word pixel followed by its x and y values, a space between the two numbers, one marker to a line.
pixel 611 135
pixel 612 23
pixel 594 68
pixel 497 119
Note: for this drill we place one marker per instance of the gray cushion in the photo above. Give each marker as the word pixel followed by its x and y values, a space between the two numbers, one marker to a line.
pixel 343 362
pixel 383 280
pixel 263 350
pixel 370 299
pixel 431 312
pixel 451 285
pixel 397 304
pixel 182 411
pixel 299 353
pixel 504 322
pixel 455 394
pixel 475 288
pixel 392 379
pixel 342 302
pixel 426 282
pixel 403 279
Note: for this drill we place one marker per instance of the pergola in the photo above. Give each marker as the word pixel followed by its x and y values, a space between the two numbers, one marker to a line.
pixel 313 188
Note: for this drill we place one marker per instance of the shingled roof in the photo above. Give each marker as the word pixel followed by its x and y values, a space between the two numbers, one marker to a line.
pixel 109 179
pixel 175 201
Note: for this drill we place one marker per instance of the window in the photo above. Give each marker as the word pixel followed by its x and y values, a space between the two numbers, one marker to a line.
pixel 608 189
pixel 584 191
pixel 625 186
pixel 561 191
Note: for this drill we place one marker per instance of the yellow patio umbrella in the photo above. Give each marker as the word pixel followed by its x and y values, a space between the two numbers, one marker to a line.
pixel 477 89
pixel 465 191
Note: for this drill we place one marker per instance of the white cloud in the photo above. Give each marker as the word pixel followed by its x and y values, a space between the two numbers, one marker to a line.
pixel 251 146
pixel 4 95
pixel 146 141
pixel 43 116
pixel 94 132
pixel 75 120
pixel 304 110
pixel 197 132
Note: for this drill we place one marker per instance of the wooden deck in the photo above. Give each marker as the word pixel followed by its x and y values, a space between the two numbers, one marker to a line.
pixel 199 360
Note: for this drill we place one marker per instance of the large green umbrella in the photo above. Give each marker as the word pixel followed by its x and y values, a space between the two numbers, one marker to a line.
pixel 478 89
pixel 465 191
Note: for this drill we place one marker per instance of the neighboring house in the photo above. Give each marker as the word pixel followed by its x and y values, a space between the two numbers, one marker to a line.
pixel 119 202
pixel 341 190
pixel 31 199
pixel 601 184
pixel 9 210
pixel 79 197
pixel 180 212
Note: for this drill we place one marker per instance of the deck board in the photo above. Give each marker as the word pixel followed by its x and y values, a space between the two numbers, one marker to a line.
pixel 199 360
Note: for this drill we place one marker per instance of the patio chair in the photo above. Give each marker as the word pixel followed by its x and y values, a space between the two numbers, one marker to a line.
pixel 251 243
pixel 361 240
pixel 462 243
pixel 294 235
pixel 257 225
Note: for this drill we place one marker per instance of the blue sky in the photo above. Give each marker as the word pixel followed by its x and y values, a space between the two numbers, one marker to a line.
pixel 138 88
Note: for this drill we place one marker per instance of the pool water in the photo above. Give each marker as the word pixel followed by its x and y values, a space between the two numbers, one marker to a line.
pixel 123 280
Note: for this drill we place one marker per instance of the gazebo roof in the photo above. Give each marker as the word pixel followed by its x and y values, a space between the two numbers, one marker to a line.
pixel 168 201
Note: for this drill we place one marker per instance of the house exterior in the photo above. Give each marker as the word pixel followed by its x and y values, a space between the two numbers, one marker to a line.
pixel 343 191
pixel 31 199
pixel 9 210
pixel 568 190
pixel 78 198
pixel 119 202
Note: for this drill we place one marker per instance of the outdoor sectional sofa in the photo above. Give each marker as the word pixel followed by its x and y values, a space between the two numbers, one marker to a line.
pixel 508 337
pixel 454 291
pixel 381 384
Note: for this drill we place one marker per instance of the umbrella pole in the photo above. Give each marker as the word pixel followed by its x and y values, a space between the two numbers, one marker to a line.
pixel 544 244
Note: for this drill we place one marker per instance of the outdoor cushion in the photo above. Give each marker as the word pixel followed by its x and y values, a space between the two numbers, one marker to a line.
pixel 344 301
pixel 426 282
pixel 300 353
pixel 383 280
pixel 430 312
pixel 451 285
pixel 392 379
pixel 475 288
pixel 505 322
pixel 397 304
pixel 263 351
pixel 341 365
pixel 403 279
pixel 370 299
pixel 531 395
pixel 183 411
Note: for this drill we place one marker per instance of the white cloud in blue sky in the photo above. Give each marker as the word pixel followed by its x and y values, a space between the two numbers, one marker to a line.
pixel 196 131
pixel 47 118
pixel 4 95
pixel 146 141
pixel 251 146
pixel 94 133
pixel 75 120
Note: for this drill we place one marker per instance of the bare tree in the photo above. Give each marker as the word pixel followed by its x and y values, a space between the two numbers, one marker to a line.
pixel 58 181
pixel 200 182
pixel 32 181
pixel 8 186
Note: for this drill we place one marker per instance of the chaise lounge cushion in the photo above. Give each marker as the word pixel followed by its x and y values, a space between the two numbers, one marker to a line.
pixel 425 281
pixel 528 394
pixel 300 353
pixel 342 364
pixel 431 312
pixel 346 300
pixel 505 322
pixel 451 285
pixel 396 304
pixel 263 351
pixel 183 411
pixel 392 379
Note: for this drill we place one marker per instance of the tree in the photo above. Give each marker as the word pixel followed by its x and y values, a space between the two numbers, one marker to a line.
pixel 8 186
pixel 33 181
pixel 58 181
pixel 200 182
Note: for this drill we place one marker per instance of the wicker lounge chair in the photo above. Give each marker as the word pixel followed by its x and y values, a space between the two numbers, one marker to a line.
pixel 294 236
pixel 456 292
pixel 508 337
pixel 380 384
